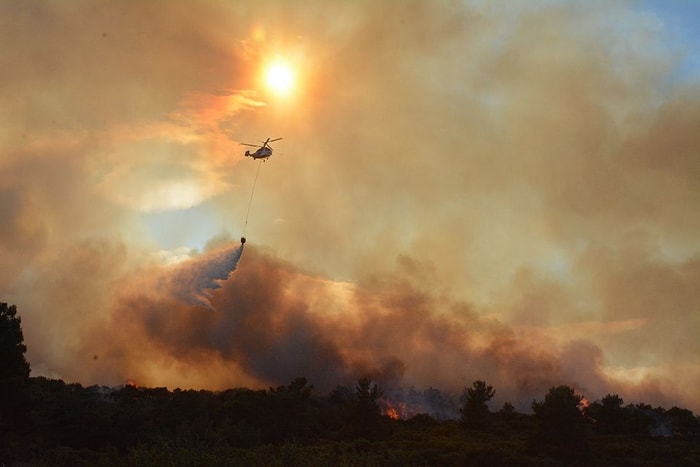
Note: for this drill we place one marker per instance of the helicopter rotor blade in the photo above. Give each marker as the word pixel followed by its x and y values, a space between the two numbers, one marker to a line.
pixel 268 141
pixel 251 145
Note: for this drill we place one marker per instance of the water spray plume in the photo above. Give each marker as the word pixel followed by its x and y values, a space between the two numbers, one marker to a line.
pixel 205 274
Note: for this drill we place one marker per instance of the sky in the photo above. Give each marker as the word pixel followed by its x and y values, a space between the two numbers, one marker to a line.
pixel 503 191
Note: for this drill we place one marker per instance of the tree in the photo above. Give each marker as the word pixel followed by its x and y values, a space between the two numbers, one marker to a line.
pixel 608 414
pixel 290 406
pixel 507 412
pixel 14 368
pixel 612 402
pixel 12 348
pixel 367 414
pixel 475 411
pixel 367 395
pixel 683 422
pixel 560 417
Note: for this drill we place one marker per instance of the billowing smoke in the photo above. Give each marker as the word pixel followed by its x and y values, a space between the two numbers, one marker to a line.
pixel 271 322
pixel 505 191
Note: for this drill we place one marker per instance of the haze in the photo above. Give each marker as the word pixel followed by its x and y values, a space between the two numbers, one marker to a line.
pixel 506 191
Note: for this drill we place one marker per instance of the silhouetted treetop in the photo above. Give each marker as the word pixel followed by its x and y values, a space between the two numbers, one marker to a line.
pixel 475 410
pixel 12 348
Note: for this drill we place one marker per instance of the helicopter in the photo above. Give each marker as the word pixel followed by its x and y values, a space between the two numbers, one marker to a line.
pixel 263 152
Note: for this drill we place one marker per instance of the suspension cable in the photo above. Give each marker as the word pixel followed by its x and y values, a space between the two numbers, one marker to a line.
pixel 250 201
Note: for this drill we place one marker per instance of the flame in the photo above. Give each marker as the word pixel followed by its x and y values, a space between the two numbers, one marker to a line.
pixel 583 405
pixel 395 410
pixel 391 412
pixel 131 383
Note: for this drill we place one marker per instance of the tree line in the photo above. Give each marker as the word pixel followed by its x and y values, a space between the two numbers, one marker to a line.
pixel 47 421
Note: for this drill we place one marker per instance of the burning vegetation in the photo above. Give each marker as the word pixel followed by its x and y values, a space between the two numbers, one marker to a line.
pixel 241 426
pixel 43 420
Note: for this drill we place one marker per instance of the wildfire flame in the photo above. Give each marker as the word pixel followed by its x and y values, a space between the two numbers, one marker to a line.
pixel 583 405
pixel 395 410
pixel 391 412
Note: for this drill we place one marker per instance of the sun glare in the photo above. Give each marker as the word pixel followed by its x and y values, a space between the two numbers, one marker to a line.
pixel 279 78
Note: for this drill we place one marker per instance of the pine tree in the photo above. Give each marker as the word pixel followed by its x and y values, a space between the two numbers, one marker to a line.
pixel 14 369
pixel 475 411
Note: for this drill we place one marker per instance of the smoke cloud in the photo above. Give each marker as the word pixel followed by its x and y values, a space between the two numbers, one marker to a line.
pixel 464 191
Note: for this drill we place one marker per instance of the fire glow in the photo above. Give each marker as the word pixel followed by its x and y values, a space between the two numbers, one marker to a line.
pixel 398 410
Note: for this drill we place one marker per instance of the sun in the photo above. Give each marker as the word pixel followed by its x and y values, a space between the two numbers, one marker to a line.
pixel 279 78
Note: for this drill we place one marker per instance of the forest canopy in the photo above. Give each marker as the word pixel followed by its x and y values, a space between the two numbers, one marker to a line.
pixel 53 422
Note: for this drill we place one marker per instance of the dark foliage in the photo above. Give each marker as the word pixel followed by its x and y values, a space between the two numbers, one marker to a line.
pixel 14 377
pixel 475 411
pixel 290 425
pixel 608 414
pixel 561 423
pixel 12 348
pixel 71 425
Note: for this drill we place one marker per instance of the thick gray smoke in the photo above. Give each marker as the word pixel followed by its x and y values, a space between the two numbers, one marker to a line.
pixel 505 191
